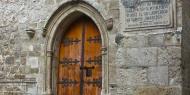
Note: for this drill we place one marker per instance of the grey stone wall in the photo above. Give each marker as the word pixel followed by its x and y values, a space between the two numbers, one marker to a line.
pixel 19 53
pixel 186 47
pixel 146 62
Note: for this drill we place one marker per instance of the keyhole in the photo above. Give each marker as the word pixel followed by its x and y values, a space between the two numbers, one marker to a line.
pixel 88 72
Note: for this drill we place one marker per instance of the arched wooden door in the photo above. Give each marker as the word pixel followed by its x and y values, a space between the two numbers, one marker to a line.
pixel 80 61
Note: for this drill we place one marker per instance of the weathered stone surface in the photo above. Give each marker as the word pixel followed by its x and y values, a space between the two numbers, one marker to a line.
pixel 9 60
pixel 51 2
pixel 172 39
pixel 19 76
pixel 2 75
pixel 33 62
pixel 156 40
pixel 175 77
pixel 169 55
pixel 137 56
pixel 135 41
pixel 1 59
pixel 158 75
pixel 132 76
pixel 33 90
pixel 35 70
pixel 126 90
pixel 157 90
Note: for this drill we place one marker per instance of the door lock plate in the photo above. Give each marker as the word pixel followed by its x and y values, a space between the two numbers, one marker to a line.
pixel 88 72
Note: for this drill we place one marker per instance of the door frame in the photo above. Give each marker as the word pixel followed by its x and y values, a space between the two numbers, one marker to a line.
pixel 61 19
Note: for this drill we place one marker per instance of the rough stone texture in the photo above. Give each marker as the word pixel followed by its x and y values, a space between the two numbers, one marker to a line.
pixel 132 76
pixel 169 55
pixel 156 40
pixel 137 56
pixel 135 41
pixel 145 62
pixel 158 75
pixel 157 90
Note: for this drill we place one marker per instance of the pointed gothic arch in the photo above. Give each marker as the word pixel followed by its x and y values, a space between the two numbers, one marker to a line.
pixel 57 24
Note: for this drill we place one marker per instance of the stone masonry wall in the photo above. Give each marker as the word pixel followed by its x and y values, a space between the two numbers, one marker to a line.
pixel 146 62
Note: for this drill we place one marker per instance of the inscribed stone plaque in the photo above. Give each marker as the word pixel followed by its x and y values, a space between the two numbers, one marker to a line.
pixel 146 14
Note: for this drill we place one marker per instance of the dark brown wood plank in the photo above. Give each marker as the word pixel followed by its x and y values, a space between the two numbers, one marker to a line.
pixel 92 50
pixel 70 51
pixel 80 50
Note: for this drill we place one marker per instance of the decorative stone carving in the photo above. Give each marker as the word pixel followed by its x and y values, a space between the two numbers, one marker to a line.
pixel 109 23
pixel 31 33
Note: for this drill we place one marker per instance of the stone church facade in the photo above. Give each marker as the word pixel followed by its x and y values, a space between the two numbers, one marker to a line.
pixel 145 46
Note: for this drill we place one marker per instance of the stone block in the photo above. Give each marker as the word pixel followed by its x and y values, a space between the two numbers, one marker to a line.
pixel 13 69
pixel 33 62
pixel 33 90
pixel 2 75
pixel 17 61
pixel 169 55
pixel 51 2
pixel 112 71
pixel 156 40
pixel 157 90
pixel 58 1
pixel 135 41
pixel 115 13
pixel 175 71
pixel 131 57
pixel 158 75
pixel 114 4
pixel 120 56
pixel 112 54
pixel 23 60
pixel 34 70
pixel 131 76
pixel 126 90
pixel 34 53
pixel 9 60
pixel 172 39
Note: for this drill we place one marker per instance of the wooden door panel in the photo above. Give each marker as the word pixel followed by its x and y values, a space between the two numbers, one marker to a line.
pixel 69 66
pixel 80 49
pixel 92 59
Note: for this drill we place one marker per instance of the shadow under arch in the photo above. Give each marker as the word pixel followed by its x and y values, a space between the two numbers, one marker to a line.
pixel 55 27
